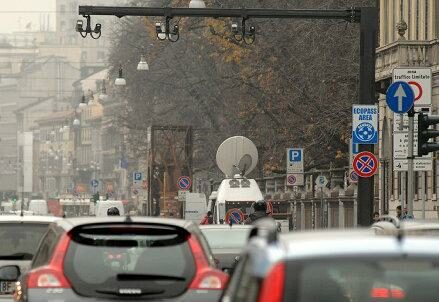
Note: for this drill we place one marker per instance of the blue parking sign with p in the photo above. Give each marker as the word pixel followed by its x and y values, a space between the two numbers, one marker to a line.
pixel 137 176
pixel 295 155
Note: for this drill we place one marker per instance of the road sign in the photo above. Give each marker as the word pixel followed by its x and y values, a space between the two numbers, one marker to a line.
pixel 184 182
pixel 365 164
pixel 182 195
pixel 235 216
pixel 400 97
pixel 94 183
pixel 353 177
pixel 135 192
pixel 365 124
pixel 419 164
pixel 420 81
pixel 296 179
pixel 137 179
pixel 321 181
pixel 294 160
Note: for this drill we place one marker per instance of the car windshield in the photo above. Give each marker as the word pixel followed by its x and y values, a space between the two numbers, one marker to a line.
pixel 226 237
pixel 20 240
pixel 157 262
pixel 366 280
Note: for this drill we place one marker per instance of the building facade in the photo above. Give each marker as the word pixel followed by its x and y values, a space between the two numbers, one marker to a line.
pixel 408 37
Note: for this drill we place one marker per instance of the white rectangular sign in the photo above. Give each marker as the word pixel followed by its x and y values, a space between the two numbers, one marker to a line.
pixel 420 81
pixel 419 164
pixel 295 179
pixel 365 124
pixel 294 160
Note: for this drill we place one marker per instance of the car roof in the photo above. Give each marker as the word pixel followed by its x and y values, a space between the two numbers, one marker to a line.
pixel 225 227
pixel 70 223
pixel 355 243
pixel 28 218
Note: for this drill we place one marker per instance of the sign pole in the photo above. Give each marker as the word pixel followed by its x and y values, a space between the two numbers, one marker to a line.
pixel 410 173
pixel 423 193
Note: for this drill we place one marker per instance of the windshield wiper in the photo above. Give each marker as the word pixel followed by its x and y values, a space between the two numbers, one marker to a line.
pixel 17 256
pixel 121 292
pixel 148 277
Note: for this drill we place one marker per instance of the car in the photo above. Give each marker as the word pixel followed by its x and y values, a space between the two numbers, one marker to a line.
pixel 226 243
pixel 120 258
pixel 335 265
pixel 19 239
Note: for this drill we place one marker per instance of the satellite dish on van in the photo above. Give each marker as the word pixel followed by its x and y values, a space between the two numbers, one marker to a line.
pixel 237 155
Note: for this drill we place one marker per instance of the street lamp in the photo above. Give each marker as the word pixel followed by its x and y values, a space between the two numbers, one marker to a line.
pixel 83 104
pixel 120 80
pixel 91 101
pixel 197 4
pixel 143 65
pixel 76 122
pixel 103 96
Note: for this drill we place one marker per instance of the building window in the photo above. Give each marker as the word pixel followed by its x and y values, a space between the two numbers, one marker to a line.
pixel 63 26
pixel 62 8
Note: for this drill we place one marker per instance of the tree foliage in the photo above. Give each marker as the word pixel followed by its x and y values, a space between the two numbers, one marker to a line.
pixel 293 87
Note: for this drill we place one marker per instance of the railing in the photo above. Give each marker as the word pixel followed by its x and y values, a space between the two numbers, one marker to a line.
pixel 403 53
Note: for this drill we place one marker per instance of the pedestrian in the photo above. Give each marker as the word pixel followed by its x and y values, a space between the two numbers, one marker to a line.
pixel 376 217
pixel 403 216
pixel 208 219
pixel 260 211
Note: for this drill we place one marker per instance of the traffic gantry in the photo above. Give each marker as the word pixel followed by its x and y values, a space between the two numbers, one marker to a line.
pixel 425 134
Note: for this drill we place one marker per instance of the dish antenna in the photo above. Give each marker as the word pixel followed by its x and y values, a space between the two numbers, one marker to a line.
pixel 237 155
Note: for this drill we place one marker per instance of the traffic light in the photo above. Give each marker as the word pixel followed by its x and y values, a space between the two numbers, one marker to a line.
pixel 424 134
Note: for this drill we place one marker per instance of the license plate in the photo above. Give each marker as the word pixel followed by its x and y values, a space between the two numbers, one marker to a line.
pixel 6 288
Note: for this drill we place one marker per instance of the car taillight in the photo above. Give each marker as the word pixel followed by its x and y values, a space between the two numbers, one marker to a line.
pixel 272 288
pixel 52 274
pixel 385 293
pixel 206 277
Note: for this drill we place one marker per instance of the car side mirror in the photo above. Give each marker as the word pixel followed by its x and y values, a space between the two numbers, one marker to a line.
pixel 9 273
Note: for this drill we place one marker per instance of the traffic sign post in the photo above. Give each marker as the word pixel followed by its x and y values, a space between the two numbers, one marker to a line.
pixel 321 182
pixel 234 216
pixel 295 167
pixel 365 164
pixel 365 124
pixel 400 97
pixel 184 183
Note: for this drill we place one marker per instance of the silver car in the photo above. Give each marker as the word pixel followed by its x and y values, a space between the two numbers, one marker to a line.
pixel 336 266
pixel 19 239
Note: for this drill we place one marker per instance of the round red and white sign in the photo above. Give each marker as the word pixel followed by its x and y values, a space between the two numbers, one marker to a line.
pixel 291 179
pixel 365 164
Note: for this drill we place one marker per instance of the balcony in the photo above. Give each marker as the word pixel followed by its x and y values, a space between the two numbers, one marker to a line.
pixel 403 53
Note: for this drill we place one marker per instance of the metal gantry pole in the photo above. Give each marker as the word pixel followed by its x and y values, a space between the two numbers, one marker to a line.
pixel 368 35
pixel 366 16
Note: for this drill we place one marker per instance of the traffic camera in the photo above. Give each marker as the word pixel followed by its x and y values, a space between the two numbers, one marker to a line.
pixel 424 134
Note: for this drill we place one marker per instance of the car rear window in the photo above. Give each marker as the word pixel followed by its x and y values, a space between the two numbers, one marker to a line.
pixel 19 241
pixel 226 238
pixel 363 280
pixel 143 260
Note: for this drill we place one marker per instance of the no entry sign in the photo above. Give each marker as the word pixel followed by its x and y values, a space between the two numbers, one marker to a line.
pixel 365 164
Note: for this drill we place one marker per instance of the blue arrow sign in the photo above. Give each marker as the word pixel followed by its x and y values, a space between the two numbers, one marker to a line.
pixel 400 97
pixel 94 183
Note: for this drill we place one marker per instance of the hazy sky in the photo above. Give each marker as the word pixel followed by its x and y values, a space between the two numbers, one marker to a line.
pixel 25 14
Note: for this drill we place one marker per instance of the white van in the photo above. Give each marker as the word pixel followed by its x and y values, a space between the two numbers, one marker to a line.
pixel 195 207
pixel 234 193
pixel 38 207
pixel 103 205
